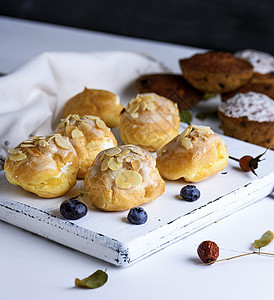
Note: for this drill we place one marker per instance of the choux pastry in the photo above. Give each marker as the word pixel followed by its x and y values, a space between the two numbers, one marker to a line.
pixel 123 177
pixel 194 155
pixel 89 135
pixel 46 166
pixel 149 121
pixel 101 103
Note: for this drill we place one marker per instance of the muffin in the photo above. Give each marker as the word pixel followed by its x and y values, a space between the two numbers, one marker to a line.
pixel 172 86
pixel 262 62
pixel 249 117
pixel 216 72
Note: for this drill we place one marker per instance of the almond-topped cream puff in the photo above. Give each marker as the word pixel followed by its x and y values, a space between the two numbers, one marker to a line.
pixel 149 121
pixel 194 155
pixel 123 177
pixel 89 135
pixel 101 103
pixel 44 165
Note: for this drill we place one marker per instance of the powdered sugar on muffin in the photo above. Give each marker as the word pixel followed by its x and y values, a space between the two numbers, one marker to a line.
pixel 262 62
pixel 254 106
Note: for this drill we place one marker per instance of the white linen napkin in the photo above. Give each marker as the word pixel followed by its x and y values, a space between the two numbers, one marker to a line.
pixel 32 97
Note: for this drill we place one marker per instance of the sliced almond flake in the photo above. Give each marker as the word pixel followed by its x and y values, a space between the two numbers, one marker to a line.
pixel 91 117
pixel 40 137
pixel 128 179
pixel 186 142
pixel 150 106
pixel 52 136
pixel 205 136
pixel 86 126
pixel 17 157
pixel 104 165
pixel 14 151
pixel 73 122
pixel 130 157
pixel 42 143
pixel 101 124
pixel 62 142
pixel 23 145
pixel 113 164
pixel 120 159
pixel 113 151
pixel 133 108
pixel 138 99
pixel 121 183
pixel 205 128
pixel 123 153
pixel 27 142
pixel 147 97
pixel 186 131
pixel 135 115
pixel 143 105
pixel 76 133
pixel 66 120
pixel 136 150
pixel 136 164
pixel 33 151
pixel 68 130
pixel 102 157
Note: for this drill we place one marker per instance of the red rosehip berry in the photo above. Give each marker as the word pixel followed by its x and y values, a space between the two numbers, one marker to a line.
pixel 248 163
pixel 208 252
pixel 244 163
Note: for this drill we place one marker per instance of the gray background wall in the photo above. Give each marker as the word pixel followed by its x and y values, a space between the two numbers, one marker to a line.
pixel 227 25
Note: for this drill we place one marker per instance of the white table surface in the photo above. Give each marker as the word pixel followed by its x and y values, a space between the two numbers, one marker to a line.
pixel 32 267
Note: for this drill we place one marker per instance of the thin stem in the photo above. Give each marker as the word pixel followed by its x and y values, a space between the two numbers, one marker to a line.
pixel 237 256
pixel 231 157
pixel 266 253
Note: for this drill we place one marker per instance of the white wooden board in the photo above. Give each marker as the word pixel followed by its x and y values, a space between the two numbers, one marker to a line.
pixel 108 236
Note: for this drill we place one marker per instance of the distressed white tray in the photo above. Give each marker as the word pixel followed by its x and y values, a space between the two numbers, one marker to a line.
pixel 108 236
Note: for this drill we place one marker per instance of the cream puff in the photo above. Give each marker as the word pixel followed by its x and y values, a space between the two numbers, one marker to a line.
pixel 89 135
pixel 101 103
pixel 149 121
pixel 194 155
pixel 46 166
pixel 123 177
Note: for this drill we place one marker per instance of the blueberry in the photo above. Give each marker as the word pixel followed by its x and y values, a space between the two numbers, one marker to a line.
pixel 73 209
pixel 137 215
pixel 190 193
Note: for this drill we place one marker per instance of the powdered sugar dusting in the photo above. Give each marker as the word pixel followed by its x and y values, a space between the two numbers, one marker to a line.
pixel 254 106
pixel 262 62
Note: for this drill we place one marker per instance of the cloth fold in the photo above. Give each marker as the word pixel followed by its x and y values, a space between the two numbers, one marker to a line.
pixel 33 96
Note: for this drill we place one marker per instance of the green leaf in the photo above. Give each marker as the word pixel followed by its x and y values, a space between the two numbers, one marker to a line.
pixel 186 116
pixel 266 238
pixel 207 96
pixel 94 281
